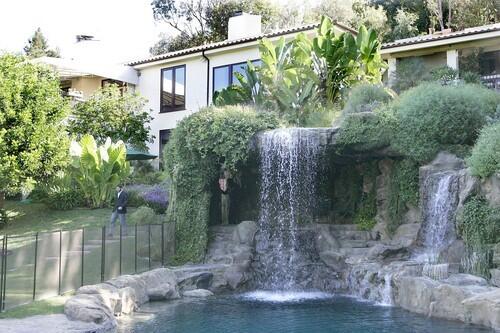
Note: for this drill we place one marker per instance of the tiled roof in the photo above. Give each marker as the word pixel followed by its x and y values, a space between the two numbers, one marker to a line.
pixel 231 42
pixel 429 38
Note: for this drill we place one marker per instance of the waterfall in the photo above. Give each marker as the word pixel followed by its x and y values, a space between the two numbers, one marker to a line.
pixel 439 214
pixel 288 168
pixel 386 294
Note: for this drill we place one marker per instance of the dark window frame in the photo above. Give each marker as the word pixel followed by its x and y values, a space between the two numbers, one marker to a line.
pixel 173 107
pixel 230 72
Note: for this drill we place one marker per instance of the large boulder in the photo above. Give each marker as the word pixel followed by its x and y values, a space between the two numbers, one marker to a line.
pixel 236 276
pixel 89 308
pixel 245 233
pixel 198 293
pixel 406 235
pixel 135 282
pixel 194 280
pixel 466 280
pixel 483 309
pixel 324 240
pixel 447 302
pixel 108 294
pixel 334 260
pixel 415 294
pixel 162 292
pixel 388 252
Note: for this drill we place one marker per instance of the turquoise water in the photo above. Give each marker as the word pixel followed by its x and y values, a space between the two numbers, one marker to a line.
pixel 283 313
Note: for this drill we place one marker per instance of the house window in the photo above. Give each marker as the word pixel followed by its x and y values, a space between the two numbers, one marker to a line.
pixel 224 76
pixel 164 137
pixel 173 91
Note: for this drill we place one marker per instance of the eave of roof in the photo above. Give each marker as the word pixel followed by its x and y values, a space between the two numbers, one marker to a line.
pixel 451 35
pixel 225 43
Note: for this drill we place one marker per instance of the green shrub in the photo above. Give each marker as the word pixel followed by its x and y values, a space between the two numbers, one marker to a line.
pixel 485 158
pixel 200 146
pixel 479 227
pixel 432 117
pixel 444 75
pixel 366 98
pixel 65 199
pixel 366 131
pixel 410 72
pixel 144 215
pixel 470 77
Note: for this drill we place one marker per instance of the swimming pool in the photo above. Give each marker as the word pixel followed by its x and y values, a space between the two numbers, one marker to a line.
pixel 261 312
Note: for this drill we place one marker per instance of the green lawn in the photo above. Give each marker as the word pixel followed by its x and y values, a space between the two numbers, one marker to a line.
pixel 26 218
pixel 45 307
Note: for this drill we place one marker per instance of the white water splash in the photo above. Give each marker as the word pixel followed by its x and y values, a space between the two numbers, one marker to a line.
pixel 284 297
pixel 387 291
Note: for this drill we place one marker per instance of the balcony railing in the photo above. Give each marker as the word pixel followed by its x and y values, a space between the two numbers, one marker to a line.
pixel 492 81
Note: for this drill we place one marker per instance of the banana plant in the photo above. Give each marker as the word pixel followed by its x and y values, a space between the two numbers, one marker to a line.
pixel 344 59
pixel 98 169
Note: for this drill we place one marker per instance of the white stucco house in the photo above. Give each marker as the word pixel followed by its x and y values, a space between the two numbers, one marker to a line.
pixel 179 83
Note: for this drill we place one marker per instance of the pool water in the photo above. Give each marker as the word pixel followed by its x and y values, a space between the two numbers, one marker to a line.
pixel 262 312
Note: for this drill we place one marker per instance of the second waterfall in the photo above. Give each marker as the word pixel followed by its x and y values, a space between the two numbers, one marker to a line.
pixel 289 169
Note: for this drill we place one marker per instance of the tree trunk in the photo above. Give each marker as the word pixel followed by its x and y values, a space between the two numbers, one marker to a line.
pixel 2 199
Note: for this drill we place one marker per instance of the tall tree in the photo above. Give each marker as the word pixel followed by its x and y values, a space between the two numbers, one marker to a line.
pixel 200 21
pixel 38 46
pixel 33 142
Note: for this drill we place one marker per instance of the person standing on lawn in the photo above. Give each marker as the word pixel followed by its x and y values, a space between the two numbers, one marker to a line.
pixel 119 211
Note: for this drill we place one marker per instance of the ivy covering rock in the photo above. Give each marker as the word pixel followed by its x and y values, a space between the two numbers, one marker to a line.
pixel 202 145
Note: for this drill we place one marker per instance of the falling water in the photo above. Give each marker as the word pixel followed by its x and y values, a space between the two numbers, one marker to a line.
pixel 289 163
pixel 439 214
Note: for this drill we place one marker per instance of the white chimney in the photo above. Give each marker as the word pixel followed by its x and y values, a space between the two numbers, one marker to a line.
pixel 243 25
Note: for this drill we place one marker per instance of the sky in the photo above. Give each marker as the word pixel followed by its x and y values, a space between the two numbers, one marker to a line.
pixel 125 28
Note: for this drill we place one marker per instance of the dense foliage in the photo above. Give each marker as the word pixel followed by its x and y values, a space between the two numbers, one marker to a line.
pixel 404 191
pixel 201 145
pixel 201 22
pixel 479 227
pixel 297 76
pixel 98 169
pixel 485 158
pixel 111 113
pixel 343 59
pixel 33 141
pixel 365 97
pixel 432 117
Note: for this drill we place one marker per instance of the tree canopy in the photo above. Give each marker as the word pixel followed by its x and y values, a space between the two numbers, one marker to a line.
pixel 198 22
pixel 33 140
pixel 111 113
pixel 38 46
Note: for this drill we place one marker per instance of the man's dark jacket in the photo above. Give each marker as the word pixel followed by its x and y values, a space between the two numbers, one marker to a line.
pixel 121 201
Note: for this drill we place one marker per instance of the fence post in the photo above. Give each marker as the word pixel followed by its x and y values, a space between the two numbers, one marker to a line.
pixel 163 244
pixel 83 250
pixel 34 269
pixel 60 261
pixel 149 245
pixel 135 250
pixel 103 252
pixel 120 250
pixel 3 271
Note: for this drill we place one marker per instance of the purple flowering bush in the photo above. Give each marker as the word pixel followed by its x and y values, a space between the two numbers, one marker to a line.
pixel 153 196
